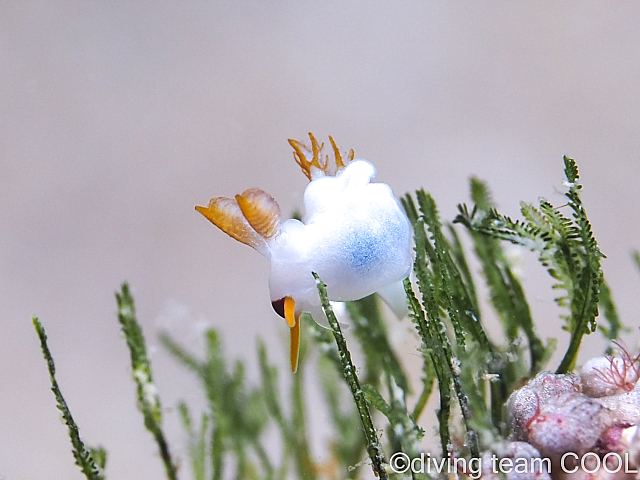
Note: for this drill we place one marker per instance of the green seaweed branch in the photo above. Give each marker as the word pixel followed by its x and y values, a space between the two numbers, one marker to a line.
pixel 148 399
pixel 84 456
pixel 473 373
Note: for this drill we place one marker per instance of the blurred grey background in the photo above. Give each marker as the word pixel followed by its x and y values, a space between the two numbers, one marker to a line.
pixel 116 118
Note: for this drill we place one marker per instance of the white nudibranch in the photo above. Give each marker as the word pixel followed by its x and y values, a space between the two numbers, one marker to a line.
pixel 354 235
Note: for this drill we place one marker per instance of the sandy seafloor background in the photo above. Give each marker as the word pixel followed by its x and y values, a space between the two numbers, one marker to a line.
pixel 116 118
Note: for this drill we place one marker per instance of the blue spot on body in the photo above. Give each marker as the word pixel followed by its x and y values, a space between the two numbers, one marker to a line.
pixel 364 250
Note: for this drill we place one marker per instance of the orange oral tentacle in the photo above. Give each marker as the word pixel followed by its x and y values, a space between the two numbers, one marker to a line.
pixel 293 321
pixel 295 345
pixel 289 311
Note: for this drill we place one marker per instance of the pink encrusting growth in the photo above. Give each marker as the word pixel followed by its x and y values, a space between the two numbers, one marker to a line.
pixel 611 374
pixel 596 412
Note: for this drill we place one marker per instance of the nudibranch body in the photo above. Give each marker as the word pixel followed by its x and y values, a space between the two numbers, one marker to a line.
pixel 354 235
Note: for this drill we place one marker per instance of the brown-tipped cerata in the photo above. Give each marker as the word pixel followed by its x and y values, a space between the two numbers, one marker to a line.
pixel 225 213
pixel 261 211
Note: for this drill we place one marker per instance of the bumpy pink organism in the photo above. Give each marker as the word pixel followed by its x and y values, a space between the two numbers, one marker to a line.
pixel 610 375
pixel 594 414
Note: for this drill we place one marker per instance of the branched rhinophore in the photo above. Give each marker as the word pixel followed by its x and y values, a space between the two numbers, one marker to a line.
pixel 84 456
pixel 566 247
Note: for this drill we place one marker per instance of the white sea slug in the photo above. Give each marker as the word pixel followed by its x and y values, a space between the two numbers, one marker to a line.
pixel 354 235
